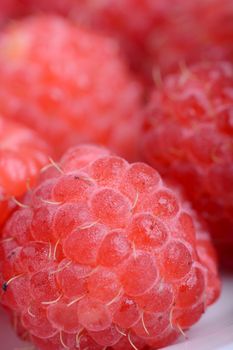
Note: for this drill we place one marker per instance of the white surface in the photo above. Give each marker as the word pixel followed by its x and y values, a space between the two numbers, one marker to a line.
pixel 213 332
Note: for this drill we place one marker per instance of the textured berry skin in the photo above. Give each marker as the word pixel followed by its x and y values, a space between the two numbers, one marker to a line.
pixel 70 89
pixel 107 256
pixel 22 155
pixel 188 137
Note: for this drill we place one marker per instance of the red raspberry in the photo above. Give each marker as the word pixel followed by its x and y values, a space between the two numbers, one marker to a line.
pixel 188 137
pixel 68 84
pixel 107 257
pixel 22 155
pixel 164 33
pixel 157 34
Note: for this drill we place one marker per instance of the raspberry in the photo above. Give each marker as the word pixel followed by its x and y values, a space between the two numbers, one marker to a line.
pixel 123 274
pixel 188 137
pixel 161 34
pixel 22 155
pixel 153 35
pixel 61 87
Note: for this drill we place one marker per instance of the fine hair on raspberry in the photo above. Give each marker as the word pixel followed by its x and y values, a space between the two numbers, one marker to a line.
pixel 108 257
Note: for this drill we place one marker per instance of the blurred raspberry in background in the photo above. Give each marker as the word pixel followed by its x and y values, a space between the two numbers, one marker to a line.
pixel 154 34
pixel 69 84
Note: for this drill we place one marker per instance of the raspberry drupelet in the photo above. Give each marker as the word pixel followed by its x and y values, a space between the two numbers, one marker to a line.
pixel 188 137
pixel 69 84
pixel 22 155
pixel 107 257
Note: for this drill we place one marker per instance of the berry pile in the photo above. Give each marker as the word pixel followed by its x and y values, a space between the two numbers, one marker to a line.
pixel 188 134
pixel 97 253
pixel 153 35
pixel 68 84
pixel 107 256
pixel 162 33
pixel 22 155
